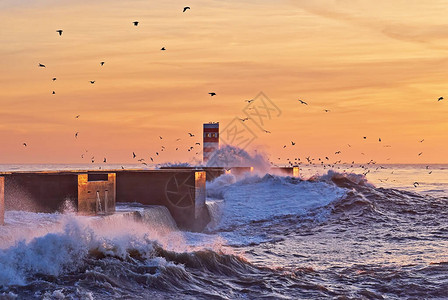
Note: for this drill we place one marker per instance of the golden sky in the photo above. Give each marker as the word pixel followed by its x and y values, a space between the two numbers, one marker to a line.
pixel 377 66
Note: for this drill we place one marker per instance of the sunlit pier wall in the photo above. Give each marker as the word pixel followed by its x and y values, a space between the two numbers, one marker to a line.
pixel 94 192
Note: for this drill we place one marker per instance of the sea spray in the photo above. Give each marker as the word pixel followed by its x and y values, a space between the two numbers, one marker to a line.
pixel 229 156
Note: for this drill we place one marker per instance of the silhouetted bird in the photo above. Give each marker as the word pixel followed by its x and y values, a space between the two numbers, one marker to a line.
pixel 185 8
pixel 76 135
pixel 135 23
pixel 440 98
pixel 420 153
pixel 303 102
pixel 24 144
pixel 92 81
pixel 379 139
pixel 245 119
pixel 212 94
pixel 422 141
pixel 267 131
pixel 54 79
pixel 59 31
pixel 102 63
pixel 104 160
pixel 41 65
pixel 416 184
pixel 191 135
pixel 292 143
pixel 157 153
pixel 364 137
pixel 143 163
pixel 133 155
pixel 77 116
pixel 326 110
pixel 163 49
pixel 152 159
pixel 53 93
pixel 160 137
pixel 250 101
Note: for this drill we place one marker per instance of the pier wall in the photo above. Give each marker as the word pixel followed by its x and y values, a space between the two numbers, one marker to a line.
pixel 181 191
pixel 40 192
pixel 96 193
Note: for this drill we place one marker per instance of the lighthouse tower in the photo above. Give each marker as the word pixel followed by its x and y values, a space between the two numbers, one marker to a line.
pixel 210 139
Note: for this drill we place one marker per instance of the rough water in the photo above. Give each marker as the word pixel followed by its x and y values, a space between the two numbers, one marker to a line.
pixel 328 234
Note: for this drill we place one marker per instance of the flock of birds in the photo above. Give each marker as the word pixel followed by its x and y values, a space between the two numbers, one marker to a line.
pixel 338 164
pixel 152 158
pixel 325 162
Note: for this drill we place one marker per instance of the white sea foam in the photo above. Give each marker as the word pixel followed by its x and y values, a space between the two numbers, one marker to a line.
pixel 52 244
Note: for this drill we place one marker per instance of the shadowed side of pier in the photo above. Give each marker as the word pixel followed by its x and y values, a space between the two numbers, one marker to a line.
pixel 40 192
pixel 181 191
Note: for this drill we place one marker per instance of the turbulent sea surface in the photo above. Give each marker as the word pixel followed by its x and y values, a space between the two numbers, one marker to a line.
pixel 330 234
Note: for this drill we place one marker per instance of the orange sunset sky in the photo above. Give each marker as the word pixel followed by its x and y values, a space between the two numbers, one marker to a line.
pixel 377 66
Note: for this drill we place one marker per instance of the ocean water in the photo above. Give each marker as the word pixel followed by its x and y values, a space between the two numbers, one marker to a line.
pixel 361 232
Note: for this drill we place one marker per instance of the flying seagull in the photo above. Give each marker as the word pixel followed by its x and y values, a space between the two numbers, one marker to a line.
pixel 102 63
pixel 303 102
pixel 53 93
pixel 135 23
pixel 59 31
pixel 293 143
pixel 267 131
pixel 41 65
pixel 191 135
pixel 76 135
pixel 54 79
pixel 185 8
pixel 133 155
pixel 24 144
pixel 92 81
pixel 416 184
pixel 163 49
pixel 326 110
pixel 212 94
pixel 77 116
pixel 250 101
pixel 104 160
pixel 440 98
